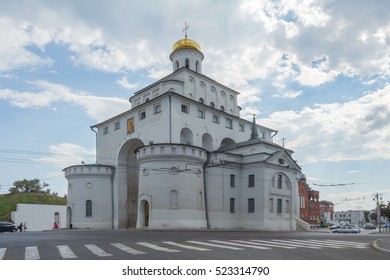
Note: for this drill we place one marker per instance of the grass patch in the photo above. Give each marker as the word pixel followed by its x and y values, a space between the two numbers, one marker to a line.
pixel 8 202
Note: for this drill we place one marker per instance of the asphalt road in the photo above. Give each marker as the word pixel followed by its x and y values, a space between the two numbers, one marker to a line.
pixel 188 245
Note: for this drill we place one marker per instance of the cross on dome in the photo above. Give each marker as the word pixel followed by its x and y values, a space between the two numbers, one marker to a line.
pixel 186 26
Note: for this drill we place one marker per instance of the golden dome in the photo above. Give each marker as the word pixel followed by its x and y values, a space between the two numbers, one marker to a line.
pixel 185 44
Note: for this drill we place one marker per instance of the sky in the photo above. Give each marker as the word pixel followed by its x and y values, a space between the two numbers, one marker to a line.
pixel 318 72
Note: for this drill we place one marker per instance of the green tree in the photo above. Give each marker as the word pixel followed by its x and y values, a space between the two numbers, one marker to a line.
pixel 374 216
pixel 366 214
pixel 385 210
pixel 25 185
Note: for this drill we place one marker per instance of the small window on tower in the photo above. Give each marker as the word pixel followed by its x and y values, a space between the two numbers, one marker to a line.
pixel 184 108
pixel 215 118
pixel 157 109
pixel 142 115
pixel 228 123
pixel 201 113
pixel 187 63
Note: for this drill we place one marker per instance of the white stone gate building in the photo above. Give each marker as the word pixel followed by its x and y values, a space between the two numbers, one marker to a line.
pixel 182 157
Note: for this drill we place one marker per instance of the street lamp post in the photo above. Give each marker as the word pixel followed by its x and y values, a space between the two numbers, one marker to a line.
pixel 378 209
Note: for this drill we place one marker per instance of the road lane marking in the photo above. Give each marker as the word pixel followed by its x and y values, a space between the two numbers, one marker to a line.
pixel 214 245
pixel 66 252
pixel 158 248
pixel 186 246
pixel 241 245
pixel 31 253
pixel 127 249
pixel 97 251
pixel 2 253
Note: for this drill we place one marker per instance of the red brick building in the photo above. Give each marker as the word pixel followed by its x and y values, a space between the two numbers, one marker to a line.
pixel 311 209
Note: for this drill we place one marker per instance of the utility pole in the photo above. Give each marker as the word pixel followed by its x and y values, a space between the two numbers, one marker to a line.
pixel 378 197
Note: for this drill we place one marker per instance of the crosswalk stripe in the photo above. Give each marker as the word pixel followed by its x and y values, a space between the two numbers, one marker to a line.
pixel 97 251
pixel 341 243
pixel 186 246
pixel 320 244
pixel 267 243
pixel 127 249
pixel 215 245
pixel 351 243
pixel 31 253
pixel 299 244
pixel 158 248
pixel 241 245
pixel 2 253
pixel 66 252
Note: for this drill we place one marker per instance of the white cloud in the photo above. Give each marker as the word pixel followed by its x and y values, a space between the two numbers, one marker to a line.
pixel 310 76
pixel 256 35
pixel 66 154
pixel 47 94
pixel 355 130
pixel 126 84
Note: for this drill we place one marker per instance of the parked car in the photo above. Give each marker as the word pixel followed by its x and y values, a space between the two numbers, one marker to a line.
pixel 335 227
pixel 346 229
pixel 369 226
pixel 7 226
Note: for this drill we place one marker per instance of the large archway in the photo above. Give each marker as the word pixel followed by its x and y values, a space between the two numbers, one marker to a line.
pixel 127 184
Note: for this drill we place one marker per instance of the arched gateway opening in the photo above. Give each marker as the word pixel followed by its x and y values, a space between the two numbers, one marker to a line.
pixel 127 184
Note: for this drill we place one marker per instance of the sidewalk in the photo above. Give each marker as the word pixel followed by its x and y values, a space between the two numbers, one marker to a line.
pixel 382 244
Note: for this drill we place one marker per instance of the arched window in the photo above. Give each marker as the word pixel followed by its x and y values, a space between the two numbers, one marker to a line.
pixel 197 67
pixel 227 141
pixel 187 63
pixel 281 182
pixel 212 104
pixel 222 108
pixel 186 136
pixel 200 200
pixel 177 65
pixel 201 100
pixel 173 199
pixel 207 142
pixel 88 208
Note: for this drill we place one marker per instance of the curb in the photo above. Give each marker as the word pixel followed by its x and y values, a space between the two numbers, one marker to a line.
pixel 375 244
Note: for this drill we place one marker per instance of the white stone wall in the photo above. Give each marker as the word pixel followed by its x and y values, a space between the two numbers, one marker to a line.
pixel 39 217
pixel 166 127
pixel 165 169
pixel 90 182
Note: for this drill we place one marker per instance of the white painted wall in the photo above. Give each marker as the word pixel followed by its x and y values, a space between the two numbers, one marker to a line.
pixel 39 217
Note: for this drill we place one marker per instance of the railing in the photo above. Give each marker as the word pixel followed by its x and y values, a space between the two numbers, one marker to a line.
pixel 302 224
